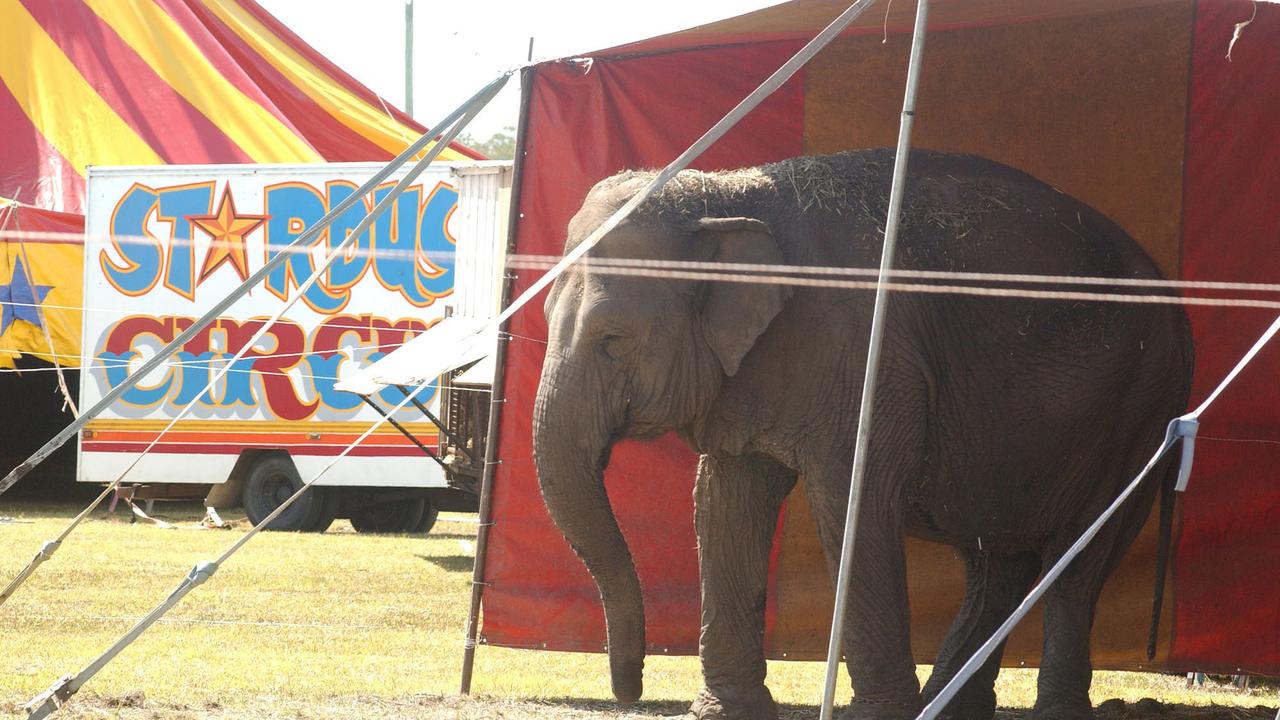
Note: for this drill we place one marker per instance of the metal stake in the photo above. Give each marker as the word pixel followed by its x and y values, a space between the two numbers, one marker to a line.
pixel 494 428
pixel 873 358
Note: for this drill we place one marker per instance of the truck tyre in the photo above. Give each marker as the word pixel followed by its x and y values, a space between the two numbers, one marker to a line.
pixel 271 480
pixel 429 514
pixel 400 516
pixel 331 502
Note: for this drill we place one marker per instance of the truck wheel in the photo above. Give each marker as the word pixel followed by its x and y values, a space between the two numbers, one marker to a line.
pixel 331 502
pixel 401 516
pixel 271 481
pixel 429 514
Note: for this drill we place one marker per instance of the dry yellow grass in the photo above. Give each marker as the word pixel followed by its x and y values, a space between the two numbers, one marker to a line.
pixel 339 625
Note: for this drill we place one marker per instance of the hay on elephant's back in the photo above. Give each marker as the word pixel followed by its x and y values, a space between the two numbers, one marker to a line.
pixel 845 183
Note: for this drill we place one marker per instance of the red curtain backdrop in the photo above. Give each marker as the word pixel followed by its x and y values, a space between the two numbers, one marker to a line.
pixel 588 121
pixel 1227 565
pixel 585 123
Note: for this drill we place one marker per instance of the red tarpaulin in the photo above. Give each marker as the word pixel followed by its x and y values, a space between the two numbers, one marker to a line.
pixel 1130 106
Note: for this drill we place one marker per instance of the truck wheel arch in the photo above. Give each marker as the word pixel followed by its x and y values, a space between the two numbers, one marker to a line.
pixel 226 496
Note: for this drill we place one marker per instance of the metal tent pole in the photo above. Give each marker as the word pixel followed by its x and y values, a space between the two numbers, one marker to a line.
pixel 873 357
pixel 766 88
pixel 408 57
pixel 496 400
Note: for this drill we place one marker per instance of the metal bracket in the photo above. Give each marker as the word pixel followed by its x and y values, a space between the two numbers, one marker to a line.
pixel 52 699
pixel 47 550
pixel 1184 429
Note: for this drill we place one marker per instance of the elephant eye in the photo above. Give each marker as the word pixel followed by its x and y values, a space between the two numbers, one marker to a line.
pixel 616 346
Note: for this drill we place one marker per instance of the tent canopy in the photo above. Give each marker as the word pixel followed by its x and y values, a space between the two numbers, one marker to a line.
pixel 802 19
pixel 1131 106
pixel 141 82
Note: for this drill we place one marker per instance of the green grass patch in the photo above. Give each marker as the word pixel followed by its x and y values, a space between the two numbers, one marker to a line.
pixel 338 625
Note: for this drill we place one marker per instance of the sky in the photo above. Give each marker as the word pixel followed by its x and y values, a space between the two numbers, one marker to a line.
pixel 459 46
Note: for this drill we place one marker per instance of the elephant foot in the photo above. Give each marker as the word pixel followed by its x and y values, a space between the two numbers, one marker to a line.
pixel 881 710
pixel 733 704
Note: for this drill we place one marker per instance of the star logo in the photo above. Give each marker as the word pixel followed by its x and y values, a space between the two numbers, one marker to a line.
pixel 228 229
pixel 20 300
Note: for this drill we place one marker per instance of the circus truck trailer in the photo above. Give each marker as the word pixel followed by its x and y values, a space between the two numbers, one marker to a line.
pixel 164 244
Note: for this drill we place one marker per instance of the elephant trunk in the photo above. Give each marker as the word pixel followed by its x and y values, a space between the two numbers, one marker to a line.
pixel 571 445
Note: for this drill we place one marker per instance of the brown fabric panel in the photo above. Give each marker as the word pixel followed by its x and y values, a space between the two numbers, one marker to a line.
pixel 1096 107
pixel 935 579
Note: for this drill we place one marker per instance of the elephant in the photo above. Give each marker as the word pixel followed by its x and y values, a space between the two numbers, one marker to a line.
pixel 1003 426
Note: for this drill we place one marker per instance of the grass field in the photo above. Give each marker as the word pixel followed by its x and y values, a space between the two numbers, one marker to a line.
pixel 342 625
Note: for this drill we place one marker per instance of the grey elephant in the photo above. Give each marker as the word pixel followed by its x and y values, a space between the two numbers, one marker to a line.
pixel 1003 426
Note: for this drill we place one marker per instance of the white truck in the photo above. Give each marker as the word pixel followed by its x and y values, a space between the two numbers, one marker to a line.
pixel 164 243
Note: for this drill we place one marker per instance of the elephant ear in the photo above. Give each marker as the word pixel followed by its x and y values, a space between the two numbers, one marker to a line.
pixel 736 313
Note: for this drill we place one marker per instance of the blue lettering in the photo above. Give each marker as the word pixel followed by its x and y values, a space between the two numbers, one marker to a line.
pixel 142 259
pixel 175 205
pixel 117 370
pixel 291 209
pixel 193 377
pixel 344 273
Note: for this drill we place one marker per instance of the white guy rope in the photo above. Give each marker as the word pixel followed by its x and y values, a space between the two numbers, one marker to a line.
pixel 465 113
pixel 897 188
pixel 49 701
pixel 767 88
pixel 1182 428
pixel 470 106
pixel 971 290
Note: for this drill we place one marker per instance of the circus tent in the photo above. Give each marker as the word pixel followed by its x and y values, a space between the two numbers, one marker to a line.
pixel 1160 113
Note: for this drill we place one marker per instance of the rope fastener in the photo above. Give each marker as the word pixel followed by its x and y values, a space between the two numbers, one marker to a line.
pixel 1184 429
pixel 47 550
pixel 199 573
pixel 57 694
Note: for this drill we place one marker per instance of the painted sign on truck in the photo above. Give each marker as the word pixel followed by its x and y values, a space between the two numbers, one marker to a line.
pixel 164 244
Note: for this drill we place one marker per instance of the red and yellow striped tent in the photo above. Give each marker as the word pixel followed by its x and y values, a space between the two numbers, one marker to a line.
pixel 142 82
pixel 1131 105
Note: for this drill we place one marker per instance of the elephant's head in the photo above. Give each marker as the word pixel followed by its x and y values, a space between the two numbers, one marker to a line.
pixel 635 356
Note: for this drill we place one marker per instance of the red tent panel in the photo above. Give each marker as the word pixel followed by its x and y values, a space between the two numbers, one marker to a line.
pixel 1132 107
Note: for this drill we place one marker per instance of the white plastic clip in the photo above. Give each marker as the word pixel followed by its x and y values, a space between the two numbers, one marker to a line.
pixel 42 705
pixel 48 549
pixel 1185 429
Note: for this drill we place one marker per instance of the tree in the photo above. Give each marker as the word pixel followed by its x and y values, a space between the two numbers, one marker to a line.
pixel 500 146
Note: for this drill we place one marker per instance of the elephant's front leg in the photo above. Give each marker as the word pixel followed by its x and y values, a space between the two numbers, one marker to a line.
pixel 877 640
pixel 736 502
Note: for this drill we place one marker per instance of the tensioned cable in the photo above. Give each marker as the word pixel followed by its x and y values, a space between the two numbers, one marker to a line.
pixel 542 262
pixel 1182 428
pixel 768 271
pixel 975 290
pixel 453 122
pixel 452 126
pixel 67 686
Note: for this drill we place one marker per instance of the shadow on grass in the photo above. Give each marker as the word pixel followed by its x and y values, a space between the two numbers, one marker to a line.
pixel 1110 710
pixel 451 563
pixel 450 536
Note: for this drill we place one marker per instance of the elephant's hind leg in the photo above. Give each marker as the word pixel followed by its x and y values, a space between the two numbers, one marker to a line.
pixel 1062 687
pixel 996 583
pixel 736 501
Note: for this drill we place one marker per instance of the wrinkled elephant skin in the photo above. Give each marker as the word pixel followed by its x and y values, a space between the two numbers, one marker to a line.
pixel 1003 426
